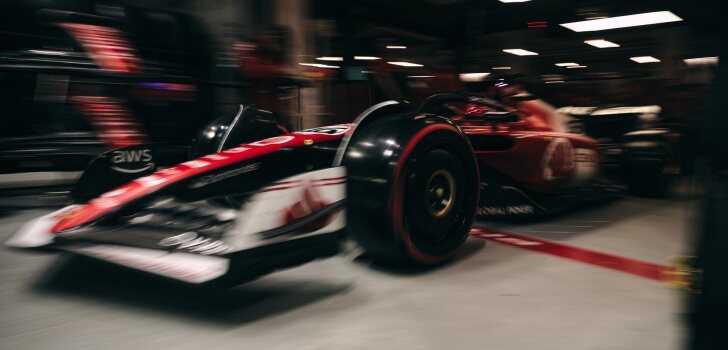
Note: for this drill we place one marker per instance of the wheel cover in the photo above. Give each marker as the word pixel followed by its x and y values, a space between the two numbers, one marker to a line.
pixel 440 193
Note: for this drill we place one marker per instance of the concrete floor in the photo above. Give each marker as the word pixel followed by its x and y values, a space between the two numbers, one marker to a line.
pixel 491 296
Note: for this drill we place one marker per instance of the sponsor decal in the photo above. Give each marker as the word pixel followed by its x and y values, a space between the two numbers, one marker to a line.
pixel 558 159
pixel 170 172
pixel 192 242
pixel 197 163
pixel 150 181
pixel 105 202
pixel 142 186
pixel 311 201
pixel 115 192
pixel 178 239
pixel 273 141
pixel 214 157
pixel 505 210
pixel 239 149
pixel 132 161
pixel 328 130
pixel 68 212
pixel 211 179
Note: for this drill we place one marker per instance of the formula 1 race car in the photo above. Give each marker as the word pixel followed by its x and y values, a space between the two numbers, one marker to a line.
pixel 529 166
pixel 258 199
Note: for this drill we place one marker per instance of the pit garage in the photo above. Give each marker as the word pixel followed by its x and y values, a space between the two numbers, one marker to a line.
pixel 573 144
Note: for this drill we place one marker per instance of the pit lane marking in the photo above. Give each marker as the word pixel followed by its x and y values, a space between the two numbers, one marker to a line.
pixel 596 221
pixel 609 261
pixel 541 231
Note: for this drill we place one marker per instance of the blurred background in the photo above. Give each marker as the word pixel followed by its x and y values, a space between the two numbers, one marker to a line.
pixel 79 77
pixel 82 76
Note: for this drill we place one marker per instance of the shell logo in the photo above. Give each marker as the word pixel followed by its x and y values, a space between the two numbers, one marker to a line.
pixel 558 159
pixel 310 202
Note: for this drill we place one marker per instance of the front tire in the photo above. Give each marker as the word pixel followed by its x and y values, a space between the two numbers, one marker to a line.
pixel 419 205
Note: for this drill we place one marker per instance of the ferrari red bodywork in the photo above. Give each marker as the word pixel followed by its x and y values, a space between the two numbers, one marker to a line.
pixel 530 148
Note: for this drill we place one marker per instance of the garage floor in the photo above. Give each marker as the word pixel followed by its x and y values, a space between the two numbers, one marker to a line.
pixel 493 296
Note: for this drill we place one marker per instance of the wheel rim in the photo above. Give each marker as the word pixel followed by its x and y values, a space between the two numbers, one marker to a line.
pixel 440 194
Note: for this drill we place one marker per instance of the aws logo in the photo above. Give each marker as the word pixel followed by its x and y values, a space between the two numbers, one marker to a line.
pixel 132 160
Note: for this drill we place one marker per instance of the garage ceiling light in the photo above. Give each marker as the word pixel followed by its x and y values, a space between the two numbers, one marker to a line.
pixel 554 82
pixel 501 68
pixel 405 64
pixel 578 66
pixel 601 43
pixel 640 19
pixel 318 65
pixel 472 77
pixel 396 47
pixel 644 59
pixel 520 52
pixel 366 58
pixel 701 61
pixel 567 64
pixel 330 58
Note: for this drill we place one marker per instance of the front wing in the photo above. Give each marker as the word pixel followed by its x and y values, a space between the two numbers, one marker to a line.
pixel 291 220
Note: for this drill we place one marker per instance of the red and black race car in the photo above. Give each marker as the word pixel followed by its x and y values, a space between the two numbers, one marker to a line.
pixel 529 165
pixel 259 198
pixel 404 182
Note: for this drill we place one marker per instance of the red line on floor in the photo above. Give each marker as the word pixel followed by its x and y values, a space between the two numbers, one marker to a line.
pixel 592 257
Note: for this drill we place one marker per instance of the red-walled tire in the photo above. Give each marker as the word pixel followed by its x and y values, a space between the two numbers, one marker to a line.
pixel 413 189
